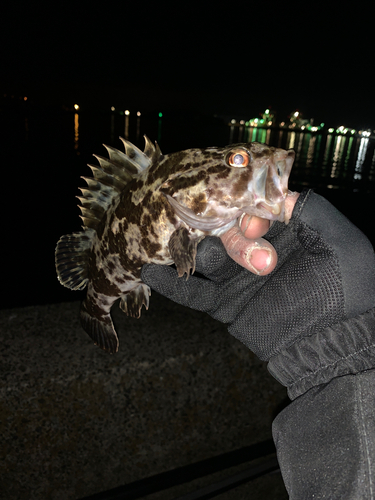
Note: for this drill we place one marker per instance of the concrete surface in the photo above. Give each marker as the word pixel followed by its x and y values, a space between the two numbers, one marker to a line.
pixel 75 421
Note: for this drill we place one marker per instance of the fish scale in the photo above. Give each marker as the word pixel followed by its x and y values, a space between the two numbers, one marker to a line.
pixel 144 207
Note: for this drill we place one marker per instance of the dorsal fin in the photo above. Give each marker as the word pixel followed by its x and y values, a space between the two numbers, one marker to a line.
pixel 114 169
pixel 110 178
pixel 119 158
pixel 141 159
pixel 106 178
pixel 151 151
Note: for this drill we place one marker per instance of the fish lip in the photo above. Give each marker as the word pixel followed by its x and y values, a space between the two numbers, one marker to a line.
pixel 264 211
pixel 275 209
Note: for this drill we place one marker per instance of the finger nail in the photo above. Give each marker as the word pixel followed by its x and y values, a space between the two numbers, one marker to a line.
pixel 249 217
pixel 259 258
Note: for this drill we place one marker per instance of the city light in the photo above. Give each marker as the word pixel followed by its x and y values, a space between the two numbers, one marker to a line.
pixel 365 133
pixel 266 120
pixel 296 122
pixel 342 130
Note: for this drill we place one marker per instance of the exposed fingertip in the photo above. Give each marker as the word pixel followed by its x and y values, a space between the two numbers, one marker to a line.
pixel 258 256
pixel 260 259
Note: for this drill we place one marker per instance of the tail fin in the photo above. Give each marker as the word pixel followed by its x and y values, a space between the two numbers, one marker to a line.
pixel 71 259
pixel 100 328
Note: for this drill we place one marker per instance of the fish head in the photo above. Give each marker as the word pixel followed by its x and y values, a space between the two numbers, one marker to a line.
pixel 261 174
pixel 223 183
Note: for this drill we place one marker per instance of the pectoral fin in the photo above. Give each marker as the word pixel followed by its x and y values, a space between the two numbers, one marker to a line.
pixel 132 302
pixel 183 250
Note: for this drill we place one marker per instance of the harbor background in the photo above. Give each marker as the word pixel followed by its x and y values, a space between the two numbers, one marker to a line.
pixel 45 151
pixel 74 421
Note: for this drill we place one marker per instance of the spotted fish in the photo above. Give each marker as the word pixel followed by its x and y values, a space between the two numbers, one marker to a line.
pixel 142 207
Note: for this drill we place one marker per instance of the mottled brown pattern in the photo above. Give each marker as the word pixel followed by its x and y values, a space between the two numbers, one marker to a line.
pixel 168 166
pixel 215 192
pixel 150 247
pixel 103 285
pixel 94 309
pixel 172 219
pixel 214 154
pixel 101 227
pixel 261 150
pixel 147 221
pixel 111 267
pixel 240 186
pixel 221 173
pixel 129 262
pixel 187 194
pixel 199 203
pixel 183 182
pixel 123 225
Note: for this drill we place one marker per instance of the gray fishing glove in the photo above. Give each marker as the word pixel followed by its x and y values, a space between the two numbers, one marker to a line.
pixel 311 317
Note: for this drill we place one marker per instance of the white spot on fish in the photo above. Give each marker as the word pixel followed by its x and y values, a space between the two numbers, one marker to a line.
pixel 115 226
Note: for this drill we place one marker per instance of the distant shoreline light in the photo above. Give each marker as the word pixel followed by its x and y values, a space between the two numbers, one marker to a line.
pixel 267 120
pixel 296 123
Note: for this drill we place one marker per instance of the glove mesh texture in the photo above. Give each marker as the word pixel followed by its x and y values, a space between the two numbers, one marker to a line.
pixel 303 297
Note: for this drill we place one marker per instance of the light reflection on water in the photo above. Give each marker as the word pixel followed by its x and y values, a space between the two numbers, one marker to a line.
pixel 76 132
pixel 322 160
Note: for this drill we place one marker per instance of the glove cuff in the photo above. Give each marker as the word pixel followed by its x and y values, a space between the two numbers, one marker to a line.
pixel 344 348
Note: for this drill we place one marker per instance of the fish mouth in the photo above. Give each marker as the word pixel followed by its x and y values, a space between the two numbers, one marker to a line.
pixel 265 211
pixel 275 209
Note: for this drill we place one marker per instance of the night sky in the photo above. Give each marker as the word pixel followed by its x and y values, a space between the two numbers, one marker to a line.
pixel 226 61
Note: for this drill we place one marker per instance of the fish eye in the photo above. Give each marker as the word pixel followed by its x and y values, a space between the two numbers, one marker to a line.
pixel 239 158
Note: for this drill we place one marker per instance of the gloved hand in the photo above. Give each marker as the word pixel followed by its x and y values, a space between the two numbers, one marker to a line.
pixel 325 275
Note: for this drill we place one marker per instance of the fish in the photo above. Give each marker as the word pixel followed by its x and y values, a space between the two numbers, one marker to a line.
pixel 144 207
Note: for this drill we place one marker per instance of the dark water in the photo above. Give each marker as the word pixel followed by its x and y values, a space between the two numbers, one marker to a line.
pixel 44 153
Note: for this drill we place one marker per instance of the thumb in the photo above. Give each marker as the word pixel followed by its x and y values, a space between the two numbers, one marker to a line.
pixel 257 256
